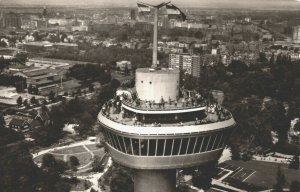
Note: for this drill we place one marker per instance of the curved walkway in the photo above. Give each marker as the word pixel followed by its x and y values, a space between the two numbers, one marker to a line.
pixel 51 150
pixel 94 177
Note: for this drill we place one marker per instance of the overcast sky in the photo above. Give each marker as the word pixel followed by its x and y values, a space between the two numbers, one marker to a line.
pixel 186 3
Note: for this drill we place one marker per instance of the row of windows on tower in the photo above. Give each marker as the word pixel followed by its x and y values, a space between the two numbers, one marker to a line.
pixel 167 147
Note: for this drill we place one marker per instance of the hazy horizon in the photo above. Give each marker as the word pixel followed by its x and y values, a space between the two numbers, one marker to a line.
pixel 186 3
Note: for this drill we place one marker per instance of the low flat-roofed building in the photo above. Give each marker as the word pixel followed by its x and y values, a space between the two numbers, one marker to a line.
pixel 17 68
pixel 8 95
pixel 66 46
pixel 50 63
pixel 42 62
pixel 38 46
pixel 40 77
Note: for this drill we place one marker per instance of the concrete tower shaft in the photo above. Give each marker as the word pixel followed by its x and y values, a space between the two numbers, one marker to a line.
pixel 155 180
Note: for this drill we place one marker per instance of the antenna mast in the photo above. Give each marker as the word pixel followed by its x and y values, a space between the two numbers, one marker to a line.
pixel 155 29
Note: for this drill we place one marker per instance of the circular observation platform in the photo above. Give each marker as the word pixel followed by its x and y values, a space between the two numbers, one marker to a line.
pixel 136 142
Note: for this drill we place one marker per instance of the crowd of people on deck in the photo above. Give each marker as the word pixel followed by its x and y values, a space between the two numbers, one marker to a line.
pixel 214 111
pixel 185 101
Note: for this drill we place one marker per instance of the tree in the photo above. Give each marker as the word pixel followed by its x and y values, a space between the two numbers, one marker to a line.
pixel 91 87
pixel 19 101
pixel 19 172
pixel 202 178
pixel 198 35
pixel 2 121
pixel 295 186
pixel 51 96
pixel 97 164
pixel 272 60
pixel 182 188
pixel 115 83
pixel 51 165
pixel 21 57
pixel 237 67
pixel 74 180
pixel 48 161
pixel 93 190
pixel 78 91
pixel 126 71
pixel 48 134
pixel 121 180
pixel 74 162
pixel 294 164
pixel 25 103
pixel 15 164
pixel 85 124
pixel 280 180
pixel 3 43
pixel 281 123
pixel 63 37
pixel 33 100
pixel 35 91
pixel 106 93
pixel 297 126
pixel 36 36
pixel 30 88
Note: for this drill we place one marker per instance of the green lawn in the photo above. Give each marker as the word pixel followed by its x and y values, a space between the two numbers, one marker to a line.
pixel 70 150
pixel 80 152
pixel 99 152
pixel 92 147
pixel 265 174
pixel 40 158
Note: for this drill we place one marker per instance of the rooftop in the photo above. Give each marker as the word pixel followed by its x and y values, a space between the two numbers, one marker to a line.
pixel 39 43
pixel 152 70
pixel 37 72
pixel 67 44
pixel 53 61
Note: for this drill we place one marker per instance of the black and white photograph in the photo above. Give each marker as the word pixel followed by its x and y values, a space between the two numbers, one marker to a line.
pixel 149 96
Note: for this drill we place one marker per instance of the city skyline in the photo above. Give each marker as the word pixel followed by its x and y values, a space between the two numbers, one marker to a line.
pixel 188 3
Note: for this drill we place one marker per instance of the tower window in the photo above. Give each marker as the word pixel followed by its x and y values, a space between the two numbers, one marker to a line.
pixel 169 145
pixel 191 145
pixel 205 143
pixel 142 81
pixel 150 82
pixel 176 146
pixel 184 145
pixel 160 147
pixel 152 147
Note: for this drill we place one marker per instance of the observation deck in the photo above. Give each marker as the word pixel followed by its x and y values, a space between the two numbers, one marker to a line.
pixel 169 107
pixel 162 127
pixel 165 141
pixel 124 121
